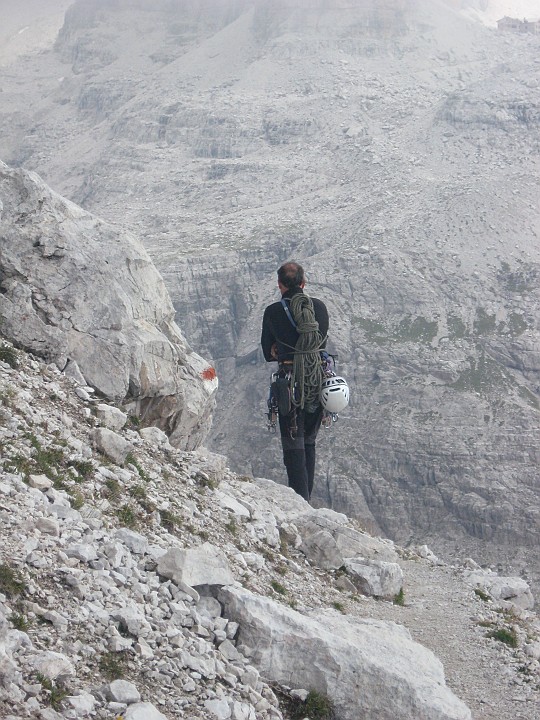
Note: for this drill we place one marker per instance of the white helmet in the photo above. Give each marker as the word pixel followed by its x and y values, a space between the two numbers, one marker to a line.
pixel 334 394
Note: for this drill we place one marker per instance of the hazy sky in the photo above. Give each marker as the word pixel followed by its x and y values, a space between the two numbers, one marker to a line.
pixel 30 25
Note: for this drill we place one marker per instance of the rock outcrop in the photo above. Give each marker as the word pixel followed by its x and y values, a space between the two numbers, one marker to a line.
pixel 367 668
pixel 75 289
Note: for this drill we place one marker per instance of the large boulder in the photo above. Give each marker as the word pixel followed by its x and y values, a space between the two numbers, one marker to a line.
pixel 77 289
pixel 204 566
pixel 367 668
pixel 514 590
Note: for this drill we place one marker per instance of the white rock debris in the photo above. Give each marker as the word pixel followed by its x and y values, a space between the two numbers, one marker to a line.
pixel 168 587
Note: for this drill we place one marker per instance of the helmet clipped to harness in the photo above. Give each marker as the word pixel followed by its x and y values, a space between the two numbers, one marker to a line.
pixel 334 394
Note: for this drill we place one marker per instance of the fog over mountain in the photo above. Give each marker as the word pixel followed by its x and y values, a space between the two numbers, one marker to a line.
pixel 392 148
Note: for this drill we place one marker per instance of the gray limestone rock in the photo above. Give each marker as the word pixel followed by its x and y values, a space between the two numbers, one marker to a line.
pixel 143 711
pixel 111 416
pixel 136 542
pixel 84 552
pixel 41 482
pixel 512 589
pixel 123 691
pixel 218 709
pixel 154 436
pixel 76 288
pixel 52 664
pixel 367 668
pixel 83 704
pixel 115 447
pixel 375 577
pixel 202 566
pixel 72 370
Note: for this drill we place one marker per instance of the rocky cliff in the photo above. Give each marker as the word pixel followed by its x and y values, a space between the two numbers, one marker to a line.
pixel 391 147
pixel 85 295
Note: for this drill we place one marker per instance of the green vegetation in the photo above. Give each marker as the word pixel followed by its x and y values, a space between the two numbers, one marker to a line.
pixel 41 461
pixel 375 331
pixel 84 468
pixel 484 323
pixel 508 637
pixel 127 516
pixel 409 329
pixel 114 490
pixel 482 594
pixel 416 330
pixel 524 279
pixel 339 606
pixel 399 598
pixel 138 492
pixel 278 587
pixel 9 356
pixel 169 520
pixel 232 527
pixel 56 693
pixel 20 621
pixel 77 499
pixel 135 420
pixel 315 707
pixel 456 327
pixel 482 376
pixel 11 583
pixel 113 665
pixel 516 324
pixel 7 396
pixel 132 460
pixel 283 544
pixel 205 481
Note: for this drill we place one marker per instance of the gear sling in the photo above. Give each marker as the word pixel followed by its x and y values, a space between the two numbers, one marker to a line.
pixel 297 383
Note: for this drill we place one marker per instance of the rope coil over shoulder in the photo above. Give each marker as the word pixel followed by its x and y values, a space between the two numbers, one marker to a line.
pixel 307 373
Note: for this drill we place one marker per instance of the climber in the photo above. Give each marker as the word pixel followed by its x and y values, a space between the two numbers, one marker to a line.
pixel 294 332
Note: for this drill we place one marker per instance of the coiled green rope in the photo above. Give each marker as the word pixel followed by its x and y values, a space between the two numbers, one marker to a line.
pixel 307 374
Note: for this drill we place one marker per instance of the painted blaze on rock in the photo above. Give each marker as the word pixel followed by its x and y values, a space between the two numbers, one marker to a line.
pixel 74 288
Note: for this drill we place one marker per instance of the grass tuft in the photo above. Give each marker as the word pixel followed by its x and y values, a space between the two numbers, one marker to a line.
pixel 9 356
pixel 482 594
pixel 127 516
pixel 508 637
pixel 278 587
pixel 169 520
pixel 20 622
pixel 56 693
pixel 315 707
pixel 113 665
pixel 399 598
pixel 11 583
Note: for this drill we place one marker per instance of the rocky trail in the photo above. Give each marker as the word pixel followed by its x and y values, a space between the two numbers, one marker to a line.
pixel 93 629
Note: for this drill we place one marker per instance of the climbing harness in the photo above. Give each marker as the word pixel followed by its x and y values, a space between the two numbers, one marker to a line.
pixel 298 384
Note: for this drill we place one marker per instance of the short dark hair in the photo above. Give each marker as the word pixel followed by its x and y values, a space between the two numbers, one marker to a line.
pixel 291 275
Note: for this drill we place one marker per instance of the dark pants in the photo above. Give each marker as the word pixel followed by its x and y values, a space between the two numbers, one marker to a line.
pixel 299 448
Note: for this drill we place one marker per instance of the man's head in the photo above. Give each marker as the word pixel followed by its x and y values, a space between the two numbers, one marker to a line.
pixel 290 275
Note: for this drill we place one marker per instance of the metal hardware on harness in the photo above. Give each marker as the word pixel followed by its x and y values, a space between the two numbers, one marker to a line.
pixel 272 414
pixel 328 419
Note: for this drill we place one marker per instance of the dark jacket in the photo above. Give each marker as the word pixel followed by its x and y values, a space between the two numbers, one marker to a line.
pixel 277 328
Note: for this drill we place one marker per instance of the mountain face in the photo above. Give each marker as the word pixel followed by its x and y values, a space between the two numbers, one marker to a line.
pixel 390 147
